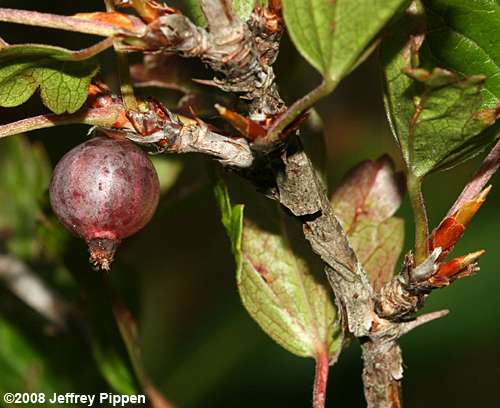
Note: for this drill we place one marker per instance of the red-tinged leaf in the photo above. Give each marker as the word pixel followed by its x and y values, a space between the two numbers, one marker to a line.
pixel 365 203
pixel 281 285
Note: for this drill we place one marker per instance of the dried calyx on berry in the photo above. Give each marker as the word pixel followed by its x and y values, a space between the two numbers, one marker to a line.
pixel 104 190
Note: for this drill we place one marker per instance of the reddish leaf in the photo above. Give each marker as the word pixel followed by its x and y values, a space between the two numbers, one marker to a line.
pixel 364 203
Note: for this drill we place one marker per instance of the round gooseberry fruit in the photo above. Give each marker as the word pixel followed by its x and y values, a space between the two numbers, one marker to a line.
pixel 104 190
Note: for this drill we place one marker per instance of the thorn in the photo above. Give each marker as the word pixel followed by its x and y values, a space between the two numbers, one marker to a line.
pixel 421 320
pixel 207 82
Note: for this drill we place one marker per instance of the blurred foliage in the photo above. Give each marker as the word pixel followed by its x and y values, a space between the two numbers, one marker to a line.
pixel 177 275
pixel 25 177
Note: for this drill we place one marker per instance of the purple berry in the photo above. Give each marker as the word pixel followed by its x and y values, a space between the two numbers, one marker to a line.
pixel 104 190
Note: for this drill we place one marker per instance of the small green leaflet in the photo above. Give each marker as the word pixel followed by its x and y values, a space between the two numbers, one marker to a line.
pixel 365 203
pixel 276 284
pixel 62 79
pixel 333 35
pixel 241 8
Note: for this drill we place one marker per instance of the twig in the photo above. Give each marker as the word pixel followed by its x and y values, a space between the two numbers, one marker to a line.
pixel 104 29
pixel 382 373
pixel 27 286
pixel 126 87
pixel 3 43
pixel 302 193
pixel 98 117
pixel 174 136
pixel 228 47
pixel 219 15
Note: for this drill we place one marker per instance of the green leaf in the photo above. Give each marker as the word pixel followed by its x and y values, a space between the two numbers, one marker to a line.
pixel 461 36
pixel 242 8
pixel 437 116
pixel 232 218
pixel 63 81
pixel 365 204
pixel 195 13
pixel 276 283
pixel 333 35
pixel 114 369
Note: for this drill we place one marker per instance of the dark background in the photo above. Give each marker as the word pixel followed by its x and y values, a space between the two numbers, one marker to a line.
pixel 200 346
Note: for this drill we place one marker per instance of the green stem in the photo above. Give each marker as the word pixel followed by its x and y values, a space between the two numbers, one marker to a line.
pixel 299 107
pixel 128 330
pixel 414 186
pixel 126 87
pixel 145 11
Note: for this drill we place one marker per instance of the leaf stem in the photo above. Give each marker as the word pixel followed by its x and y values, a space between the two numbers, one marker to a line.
pixel 299 107
pixel 93 50
pixel 126 87
pixel 414 186
pixel 144 10
pixel 320 379
pixel 80 25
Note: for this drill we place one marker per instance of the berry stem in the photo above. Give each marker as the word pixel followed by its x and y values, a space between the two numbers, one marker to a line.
pixel 128 330
pixel 126 86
